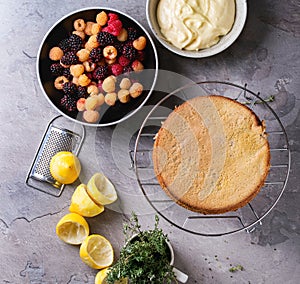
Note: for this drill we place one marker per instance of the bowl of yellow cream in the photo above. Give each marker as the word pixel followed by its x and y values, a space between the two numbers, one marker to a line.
pixel 196 28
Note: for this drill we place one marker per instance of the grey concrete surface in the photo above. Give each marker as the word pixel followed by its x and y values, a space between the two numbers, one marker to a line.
pixel 266 56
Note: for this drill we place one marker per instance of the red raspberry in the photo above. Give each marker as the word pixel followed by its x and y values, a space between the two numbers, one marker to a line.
pixel 107 29
pixel 123 61
pixel 115 27
pixel 140 55
pixel 112 17
pixel 116 69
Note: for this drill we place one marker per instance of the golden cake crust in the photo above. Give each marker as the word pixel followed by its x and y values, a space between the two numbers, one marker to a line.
pixel 211 155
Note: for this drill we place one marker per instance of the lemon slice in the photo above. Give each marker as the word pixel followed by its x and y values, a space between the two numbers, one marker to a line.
pixel 82 204
pixel 101 190
pixel 96 251
pixel 72 229
pixel 65 167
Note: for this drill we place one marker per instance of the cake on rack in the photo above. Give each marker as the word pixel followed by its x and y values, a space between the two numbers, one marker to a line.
pixel 211 155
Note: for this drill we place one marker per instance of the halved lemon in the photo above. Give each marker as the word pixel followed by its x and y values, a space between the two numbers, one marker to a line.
pixel 65 167
pixel 101 190
pixel 102 275
pixel 82 204
pixel 96 251
pixel 72 229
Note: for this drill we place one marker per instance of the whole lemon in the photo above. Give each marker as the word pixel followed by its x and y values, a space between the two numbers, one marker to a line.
pixel 65 167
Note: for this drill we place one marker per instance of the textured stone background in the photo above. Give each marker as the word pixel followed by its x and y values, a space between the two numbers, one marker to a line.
pixel 266 56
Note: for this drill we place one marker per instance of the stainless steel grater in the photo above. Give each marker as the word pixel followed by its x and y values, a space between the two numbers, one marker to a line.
pixel 56 139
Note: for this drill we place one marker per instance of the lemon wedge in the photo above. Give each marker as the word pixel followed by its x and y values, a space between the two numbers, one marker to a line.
pixel 72 229
pixel 101 190
pixel 96 251
pixel 65 167
pixel 82 204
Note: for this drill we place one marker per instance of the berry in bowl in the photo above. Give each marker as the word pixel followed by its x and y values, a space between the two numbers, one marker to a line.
pixel 97 66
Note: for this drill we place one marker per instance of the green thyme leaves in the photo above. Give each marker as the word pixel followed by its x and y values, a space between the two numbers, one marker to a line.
pixel 236 268
pixel 145 258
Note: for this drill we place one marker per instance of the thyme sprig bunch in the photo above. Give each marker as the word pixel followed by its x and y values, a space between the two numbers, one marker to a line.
pixel 145 258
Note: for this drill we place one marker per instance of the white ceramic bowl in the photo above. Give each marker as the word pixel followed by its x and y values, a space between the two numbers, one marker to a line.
pixel 225 41
pixel 108 115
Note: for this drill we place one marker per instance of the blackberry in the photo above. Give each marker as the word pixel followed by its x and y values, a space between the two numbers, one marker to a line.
pixel 96 54
pixel 127 70
pixel 67 74
pixel 128 43
pixel 75 43
pixel 129 52
pixel 82 92
pixel 69 58
pixel 70 89
pixel 101 72
pixel 64 45
pixel 105 38
pixel 132 34
pixel 119 47
pixel 68 103
pixel 56 69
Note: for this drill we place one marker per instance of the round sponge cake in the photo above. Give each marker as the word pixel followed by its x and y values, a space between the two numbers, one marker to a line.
pixel 211 155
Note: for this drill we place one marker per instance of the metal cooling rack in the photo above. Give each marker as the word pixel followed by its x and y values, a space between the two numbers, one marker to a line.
pixel 245 218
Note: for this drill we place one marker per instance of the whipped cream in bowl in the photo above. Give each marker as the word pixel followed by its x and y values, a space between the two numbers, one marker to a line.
pixel 196 28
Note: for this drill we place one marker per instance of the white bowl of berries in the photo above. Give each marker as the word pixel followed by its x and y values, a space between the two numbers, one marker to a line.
pixel 97 66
